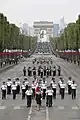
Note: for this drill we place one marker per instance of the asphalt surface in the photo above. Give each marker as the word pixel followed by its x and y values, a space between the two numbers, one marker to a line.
pixel 66 109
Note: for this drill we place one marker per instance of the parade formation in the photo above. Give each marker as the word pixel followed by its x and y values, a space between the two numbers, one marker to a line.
pixel 40 89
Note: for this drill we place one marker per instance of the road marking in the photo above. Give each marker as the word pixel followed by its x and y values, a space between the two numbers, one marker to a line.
pixel 29 114
pixel 16 108
pixel 75 108
pixel 2 107
pixel 47 114
pixel 61 107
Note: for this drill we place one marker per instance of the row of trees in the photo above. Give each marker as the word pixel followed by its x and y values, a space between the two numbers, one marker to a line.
pixel 11 38
pixel 70 38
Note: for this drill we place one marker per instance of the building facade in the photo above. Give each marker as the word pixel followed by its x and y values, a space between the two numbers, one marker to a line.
pixel 56 30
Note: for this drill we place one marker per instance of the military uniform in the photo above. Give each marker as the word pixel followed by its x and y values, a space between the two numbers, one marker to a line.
pixel 49 93
pixel 24 71
pixel 73 86
pixel 9 83
pixel 54 89
pixel 62 86
pixel 29 96
pixel 3 89
pixel 23 87
pixel 14 90
pixel 69 85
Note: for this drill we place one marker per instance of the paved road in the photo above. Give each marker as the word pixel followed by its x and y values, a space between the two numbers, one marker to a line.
pixel 66 109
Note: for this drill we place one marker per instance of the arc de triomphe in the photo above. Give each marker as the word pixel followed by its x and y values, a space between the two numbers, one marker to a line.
pixel 43 26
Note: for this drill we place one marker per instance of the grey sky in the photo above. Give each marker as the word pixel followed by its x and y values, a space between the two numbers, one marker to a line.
pixel 27 11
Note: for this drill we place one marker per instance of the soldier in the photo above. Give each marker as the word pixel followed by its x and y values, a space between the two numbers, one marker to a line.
pixel 73 86
pixel 29 71
pixel 41 72
pixel 43 87
pixel 18 85
pixel 9 83
pixel 54 89
pixel 62 86
pixel 29 96
pixel 33 88
pixel 34 71
pixel 38 97
pixel 26 83
pixel 3 89
pixel 14 89
pixel 59 70
pixel 49 93
pixel 69 83
pixel 47 72
pixel 44 70
pixel 23 87
pixel 59 83
pixel 50 71
pixel 24 71
pixel 54 71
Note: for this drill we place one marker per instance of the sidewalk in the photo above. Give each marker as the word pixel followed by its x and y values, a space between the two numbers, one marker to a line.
pixel 10 66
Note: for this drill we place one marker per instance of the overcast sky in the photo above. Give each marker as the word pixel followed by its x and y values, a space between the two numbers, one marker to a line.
pixel 27 11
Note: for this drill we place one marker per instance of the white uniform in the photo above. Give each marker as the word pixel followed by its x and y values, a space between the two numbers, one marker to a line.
pixel 23 87
pixel 54 85
pixel 49 92
pixel 9 83
pixel 62 85
pixel 14 87
pixel 3 87
pixel 73 86
pixel 69 82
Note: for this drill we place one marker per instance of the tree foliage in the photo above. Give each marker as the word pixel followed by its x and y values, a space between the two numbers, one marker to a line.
pixel 70 38
pixel 11 38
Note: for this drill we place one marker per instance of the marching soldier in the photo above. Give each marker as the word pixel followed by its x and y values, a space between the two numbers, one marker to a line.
pixel 24 71
pixel 29 96
pixel 47 72
pixel 69 83
pixel 29 71
pixel 59 70
pixel 49 93
pixel 54 71
pixel 33 88
pixel 23 87
pixel 14 89
pixel 18 86
pixel 73 86
pixel 54 89
pixel 50 71
pixel 3 89
pixel 34 71
pixel 38 97
pixel 41 72
pixel 59 83
pixel 62 86
pixel 9 83
pixel 44 70
pixel 43 87
pixel 26 83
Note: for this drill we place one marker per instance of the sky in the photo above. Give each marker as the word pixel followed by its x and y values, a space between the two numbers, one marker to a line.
pixel 28 11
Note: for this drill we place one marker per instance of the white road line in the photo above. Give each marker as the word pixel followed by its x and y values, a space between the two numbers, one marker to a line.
pixel 2 107
pixel 75 108
pixel 47 114
pixel 16 108
pixel 61 107
pixel 29 114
